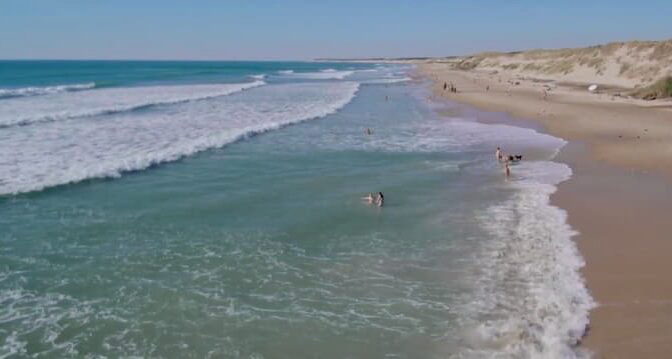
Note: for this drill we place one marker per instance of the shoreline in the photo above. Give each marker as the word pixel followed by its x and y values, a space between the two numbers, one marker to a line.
pixel 616 198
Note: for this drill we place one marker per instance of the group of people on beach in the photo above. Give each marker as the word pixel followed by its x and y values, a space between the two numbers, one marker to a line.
pixel 506 160
pixel 453 89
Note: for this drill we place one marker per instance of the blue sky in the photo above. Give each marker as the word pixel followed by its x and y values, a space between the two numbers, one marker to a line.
pixel 302 29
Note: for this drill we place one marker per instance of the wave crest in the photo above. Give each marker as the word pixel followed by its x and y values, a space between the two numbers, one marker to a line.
pixel 64 152
pixel 57 107
pixel 36 91
pixel 327 74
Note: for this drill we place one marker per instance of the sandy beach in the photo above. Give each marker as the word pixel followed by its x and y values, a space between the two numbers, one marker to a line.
pixel 618 199
pixel 427 180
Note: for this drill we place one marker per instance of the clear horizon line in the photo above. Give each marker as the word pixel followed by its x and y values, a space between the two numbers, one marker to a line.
pixel 144 59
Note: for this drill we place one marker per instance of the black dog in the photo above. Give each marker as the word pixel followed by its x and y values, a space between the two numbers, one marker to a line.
pixel 515 158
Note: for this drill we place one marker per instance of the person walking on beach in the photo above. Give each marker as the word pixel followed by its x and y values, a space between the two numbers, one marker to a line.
pixel 498 154
pixel 507 170
pixel 445 86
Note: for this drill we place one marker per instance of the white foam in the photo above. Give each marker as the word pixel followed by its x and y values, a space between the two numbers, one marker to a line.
pixel 65 105
pixel 26 312
pixel 444 135
pixel 445 166
pixel 60 152
pixel 321 75
pixel 286 72
pixel 35 91
pixel 531 300
pixel 258 77
pixel 389 80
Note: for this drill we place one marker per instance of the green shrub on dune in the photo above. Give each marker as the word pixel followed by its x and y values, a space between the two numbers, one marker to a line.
pixel 659 89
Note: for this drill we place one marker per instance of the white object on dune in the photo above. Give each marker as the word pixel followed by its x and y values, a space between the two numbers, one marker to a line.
pixel 592 88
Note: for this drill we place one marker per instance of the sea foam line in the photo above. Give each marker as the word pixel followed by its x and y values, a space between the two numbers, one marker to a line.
pixel 69 152
pixel 389 80
pixel 36 91
pixel 535 298
pixel 327 74
pixel 108 101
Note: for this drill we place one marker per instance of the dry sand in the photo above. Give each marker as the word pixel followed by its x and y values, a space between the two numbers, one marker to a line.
pixel 619 198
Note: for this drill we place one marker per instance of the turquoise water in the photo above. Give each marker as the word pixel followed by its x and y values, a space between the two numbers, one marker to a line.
pixel 44 73
pixel 218 215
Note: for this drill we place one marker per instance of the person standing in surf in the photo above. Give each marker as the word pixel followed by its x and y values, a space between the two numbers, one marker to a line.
pixel 380 199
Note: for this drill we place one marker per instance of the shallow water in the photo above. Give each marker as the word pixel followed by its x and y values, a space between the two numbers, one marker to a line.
pixel 231 226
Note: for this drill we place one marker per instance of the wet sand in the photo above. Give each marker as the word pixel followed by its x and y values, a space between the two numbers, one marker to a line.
pixel 623 218
pixel 619 198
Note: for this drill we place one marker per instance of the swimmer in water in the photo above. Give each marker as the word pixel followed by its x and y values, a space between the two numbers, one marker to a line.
pixel 507 170
pixel 380 199
pixel 369 131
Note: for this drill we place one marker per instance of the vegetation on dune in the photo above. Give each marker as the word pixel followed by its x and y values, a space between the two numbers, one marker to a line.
pixel 512 66
pixel 662 52
pixel 470 63
pixel 559 67
pixel 659 89
pixel 629 63
pixel 624 68
pixel 532 67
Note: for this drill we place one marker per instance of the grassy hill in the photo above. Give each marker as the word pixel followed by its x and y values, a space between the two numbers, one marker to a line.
pixel 644 67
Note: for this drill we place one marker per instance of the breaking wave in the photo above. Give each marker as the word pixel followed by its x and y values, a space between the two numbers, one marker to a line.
pixel 36 91
pixel 62 106
pixel 62 152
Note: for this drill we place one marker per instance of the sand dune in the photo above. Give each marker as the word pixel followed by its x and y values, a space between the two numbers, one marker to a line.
pixel 620 146
pixel 632 65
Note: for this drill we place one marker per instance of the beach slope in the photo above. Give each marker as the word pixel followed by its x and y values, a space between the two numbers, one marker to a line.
pixel 620 150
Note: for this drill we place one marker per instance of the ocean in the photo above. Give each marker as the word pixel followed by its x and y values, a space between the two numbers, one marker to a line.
pixel 212 210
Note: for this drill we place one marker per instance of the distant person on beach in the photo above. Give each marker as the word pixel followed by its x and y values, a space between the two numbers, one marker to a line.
pixel 498 154
pixel 380 199
pixel 445 86
pixel 507 170
pixel 368 131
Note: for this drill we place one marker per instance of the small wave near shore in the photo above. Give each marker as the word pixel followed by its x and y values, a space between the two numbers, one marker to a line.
pixel 530 299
